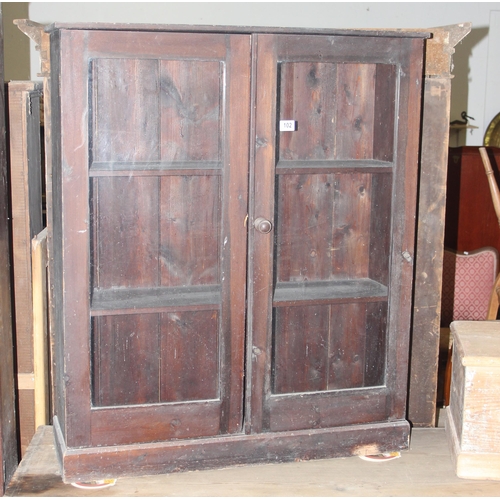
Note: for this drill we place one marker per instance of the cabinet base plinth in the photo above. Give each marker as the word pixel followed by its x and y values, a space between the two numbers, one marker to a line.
pixel 85 464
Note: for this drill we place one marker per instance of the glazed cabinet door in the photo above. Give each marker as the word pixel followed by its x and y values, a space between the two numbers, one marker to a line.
pixel 155 130
pixel 332 228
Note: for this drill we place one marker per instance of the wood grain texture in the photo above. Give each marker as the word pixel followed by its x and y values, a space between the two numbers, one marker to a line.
pixel 333 222
pixel 102 462
pixel 26 198
pixel 190 356
pixel 433 196
pixel 42 355
pixel 146 172
pixel 157 138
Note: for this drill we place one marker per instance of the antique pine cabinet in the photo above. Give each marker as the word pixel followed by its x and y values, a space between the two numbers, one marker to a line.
pixel 231 221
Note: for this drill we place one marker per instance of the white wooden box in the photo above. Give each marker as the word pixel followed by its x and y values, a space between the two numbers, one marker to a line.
pixel 473 417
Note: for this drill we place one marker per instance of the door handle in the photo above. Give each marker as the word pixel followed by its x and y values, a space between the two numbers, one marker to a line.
pixel 262 225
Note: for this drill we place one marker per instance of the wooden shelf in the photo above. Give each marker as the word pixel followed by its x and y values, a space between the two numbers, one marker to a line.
pixel 131 168
pixel 323 166
pixel 326 292
pixel 161 299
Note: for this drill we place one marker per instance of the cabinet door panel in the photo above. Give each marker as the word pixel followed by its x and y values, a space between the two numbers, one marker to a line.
pixel 327 314
pixel 159 141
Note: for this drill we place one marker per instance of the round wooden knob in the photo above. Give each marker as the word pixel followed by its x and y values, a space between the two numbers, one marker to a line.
pixel 263 225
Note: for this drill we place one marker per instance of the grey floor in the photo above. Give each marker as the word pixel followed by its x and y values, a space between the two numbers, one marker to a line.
pixel 424 470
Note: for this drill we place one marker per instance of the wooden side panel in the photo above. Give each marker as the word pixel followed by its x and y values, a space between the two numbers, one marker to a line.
pixel 431 239
pixel 375 363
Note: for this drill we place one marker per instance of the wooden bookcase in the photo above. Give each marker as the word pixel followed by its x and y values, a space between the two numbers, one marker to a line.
pixel 231 218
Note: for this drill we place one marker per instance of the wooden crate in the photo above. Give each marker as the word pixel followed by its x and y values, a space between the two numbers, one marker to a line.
pixel 474 414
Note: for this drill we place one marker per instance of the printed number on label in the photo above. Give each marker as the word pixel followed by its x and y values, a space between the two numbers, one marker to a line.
pixel 288 125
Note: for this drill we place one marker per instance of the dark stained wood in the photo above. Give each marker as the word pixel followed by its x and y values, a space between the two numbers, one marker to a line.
pixel 173 456
pixel 380 228
pixel 300 337
pixel 126 234
pixel 183 28
pixel 346 349
pixel 333 228
pixel 235 189
pixel 316 411
pixel 155 423
pixel 260 257
pixel 167 288
pixel 130 300
pixel 375 344
pixel 403 227
pixel 384 111
pixel 8 426
pixel 308 91
pixel 134 105
pixel 191 110
pixel 190 356
pixel 335 291
pixel 355 111
pixel 352 217
pixel 190 237
pixel 432 199
pixel 422 396
pixel 125 367
pixel 155 171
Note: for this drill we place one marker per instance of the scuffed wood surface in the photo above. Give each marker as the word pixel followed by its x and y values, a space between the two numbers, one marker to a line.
pixel 424 470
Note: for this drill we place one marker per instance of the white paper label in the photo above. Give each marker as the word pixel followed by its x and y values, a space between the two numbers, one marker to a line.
pixel 288 125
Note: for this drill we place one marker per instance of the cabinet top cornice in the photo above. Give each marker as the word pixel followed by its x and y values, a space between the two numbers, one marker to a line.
pixel 186 28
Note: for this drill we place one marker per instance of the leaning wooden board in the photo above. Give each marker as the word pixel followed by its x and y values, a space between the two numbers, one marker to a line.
pixel 26 195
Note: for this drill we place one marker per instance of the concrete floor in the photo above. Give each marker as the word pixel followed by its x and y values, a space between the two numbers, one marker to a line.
pixel 425 470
